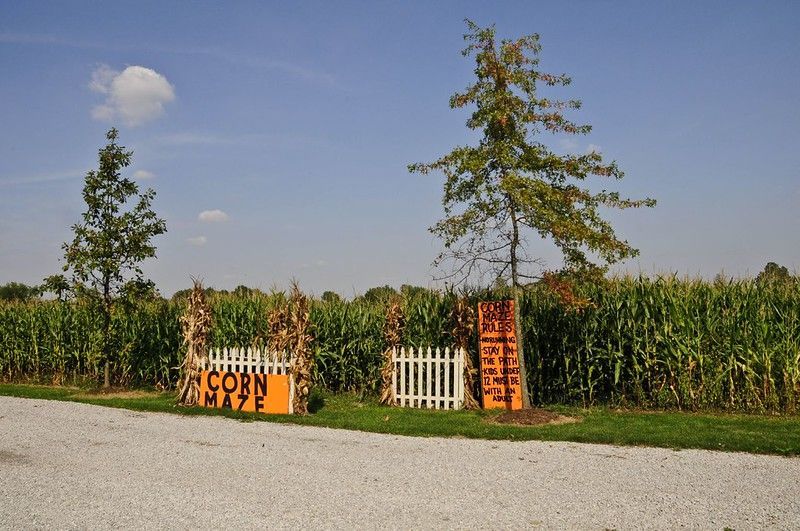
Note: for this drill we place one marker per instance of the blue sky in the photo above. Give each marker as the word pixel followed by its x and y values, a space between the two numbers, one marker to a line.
pixel 297 121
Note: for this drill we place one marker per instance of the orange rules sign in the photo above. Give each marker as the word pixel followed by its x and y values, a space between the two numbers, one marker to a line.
pixel 500 377
pixel 260 393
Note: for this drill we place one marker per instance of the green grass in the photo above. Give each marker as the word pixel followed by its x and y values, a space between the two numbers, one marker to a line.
pixel 746 433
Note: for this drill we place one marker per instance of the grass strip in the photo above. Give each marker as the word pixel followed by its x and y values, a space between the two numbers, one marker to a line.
pixel 761 434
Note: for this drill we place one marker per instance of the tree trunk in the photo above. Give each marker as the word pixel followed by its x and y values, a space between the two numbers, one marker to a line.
pixel 107 334
pixel 107 376
pixel 523 373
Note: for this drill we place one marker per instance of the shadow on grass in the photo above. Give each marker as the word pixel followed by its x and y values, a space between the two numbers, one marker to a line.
pixel 316 401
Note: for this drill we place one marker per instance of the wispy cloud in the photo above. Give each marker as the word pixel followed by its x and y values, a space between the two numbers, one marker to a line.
pixel 567 144
pixel 212 216
pixel 233 57
pixel 33 38
pixel 254 140
pixel 258 62
pixel 196 139
pixel 102 77
pixel 315 264
pixel 43 178
pixel 197 241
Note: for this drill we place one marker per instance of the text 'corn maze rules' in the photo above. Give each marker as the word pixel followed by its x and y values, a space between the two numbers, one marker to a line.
pixel 497 345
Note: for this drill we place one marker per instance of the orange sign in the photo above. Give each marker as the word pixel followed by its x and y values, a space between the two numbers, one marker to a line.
pixel 260 393
pixel 500 376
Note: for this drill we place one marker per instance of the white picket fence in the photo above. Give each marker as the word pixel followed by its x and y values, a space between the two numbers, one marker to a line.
pixel 422 378
pixel 249 360
pixel 427 378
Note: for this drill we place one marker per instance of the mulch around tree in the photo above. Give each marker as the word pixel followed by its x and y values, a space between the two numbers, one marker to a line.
pixel 531 417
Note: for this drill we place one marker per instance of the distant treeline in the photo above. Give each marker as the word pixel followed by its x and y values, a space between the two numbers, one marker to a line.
pixel 639 342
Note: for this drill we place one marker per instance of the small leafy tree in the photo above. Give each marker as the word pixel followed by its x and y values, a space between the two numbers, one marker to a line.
pixel 331 297
pixel 379 294
pixel 242 291
pixel 409 292
pixel 774 273
pixel 511 184
pixel 58 285
pixel 113 238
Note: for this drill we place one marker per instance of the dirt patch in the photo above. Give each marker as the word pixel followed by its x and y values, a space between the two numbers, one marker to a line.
pixel 201 443
pixel 531 417
pixel 7 457
pixel 114 393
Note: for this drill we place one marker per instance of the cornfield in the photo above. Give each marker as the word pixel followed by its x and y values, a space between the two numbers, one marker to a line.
pixel 652 343
pixel 669 343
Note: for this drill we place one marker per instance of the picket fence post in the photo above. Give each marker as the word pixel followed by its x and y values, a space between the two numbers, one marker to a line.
pixel 394 375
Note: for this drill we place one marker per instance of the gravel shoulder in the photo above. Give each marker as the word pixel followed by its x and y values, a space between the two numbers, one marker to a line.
pixel 69 465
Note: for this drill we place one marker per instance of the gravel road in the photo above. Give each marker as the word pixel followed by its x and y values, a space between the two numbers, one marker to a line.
pixel 65 465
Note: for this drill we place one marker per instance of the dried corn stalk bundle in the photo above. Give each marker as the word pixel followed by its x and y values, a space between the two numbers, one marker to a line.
pixel 393 334
pixel 278 324
pixel 195 324
pixel 463 324
pixel 299 340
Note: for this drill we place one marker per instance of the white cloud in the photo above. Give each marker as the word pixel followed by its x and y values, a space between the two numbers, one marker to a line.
pixel 593 148
pixel 197 241
pixel 142 175
pixel 213 216
pixel 102 77
pixel 103 113
pixel 136 95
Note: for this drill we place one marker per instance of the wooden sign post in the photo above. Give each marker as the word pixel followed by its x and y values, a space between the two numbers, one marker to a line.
pixel 500 371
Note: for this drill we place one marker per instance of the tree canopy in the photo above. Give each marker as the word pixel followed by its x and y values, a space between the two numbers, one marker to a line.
pixel 512 184
pixel 774 273
pixel 330 296
pixel 17 291
pixel 379 294
pixel 111 241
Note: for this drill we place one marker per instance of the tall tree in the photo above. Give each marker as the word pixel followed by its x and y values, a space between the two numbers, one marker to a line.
pixel 511 184
pixel 112 240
